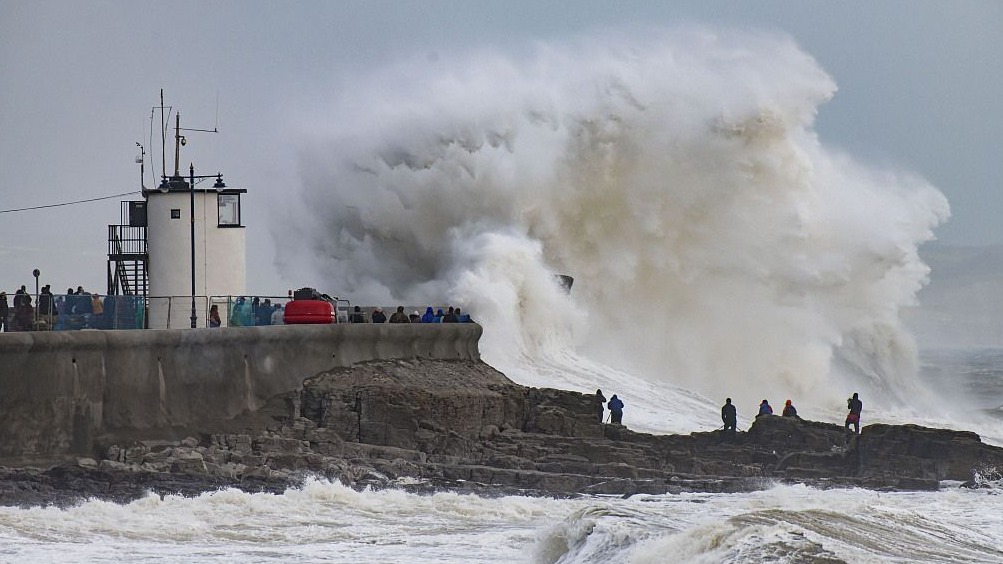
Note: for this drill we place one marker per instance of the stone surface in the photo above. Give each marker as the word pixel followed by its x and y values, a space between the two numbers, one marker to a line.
pixel 426 425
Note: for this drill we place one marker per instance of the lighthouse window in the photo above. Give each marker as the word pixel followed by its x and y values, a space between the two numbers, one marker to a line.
pixel 176 214
pixel 229 209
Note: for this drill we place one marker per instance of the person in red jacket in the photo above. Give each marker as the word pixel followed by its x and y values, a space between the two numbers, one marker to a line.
pixel 853 417
pixel 790 410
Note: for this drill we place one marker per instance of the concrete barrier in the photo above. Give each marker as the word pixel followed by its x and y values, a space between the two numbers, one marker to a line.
pixel 61 391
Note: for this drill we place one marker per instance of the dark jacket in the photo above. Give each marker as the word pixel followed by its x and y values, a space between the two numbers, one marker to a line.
pixel 854 405
pixel 357 316
pixel 615 404
pixel 728 413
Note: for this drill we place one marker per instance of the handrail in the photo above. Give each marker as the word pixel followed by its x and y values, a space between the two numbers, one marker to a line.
pixel 134 312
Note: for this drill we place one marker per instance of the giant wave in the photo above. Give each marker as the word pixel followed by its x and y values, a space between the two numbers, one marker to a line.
pixel 719 247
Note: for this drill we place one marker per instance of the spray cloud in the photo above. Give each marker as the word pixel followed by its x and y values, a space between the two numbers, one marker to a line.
pixel 714 241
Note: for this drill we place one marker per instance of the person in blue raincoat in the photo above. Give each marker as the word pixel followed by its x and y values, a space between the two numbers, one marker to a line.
pixel 765 409
pixel 615 406
pixel 429 316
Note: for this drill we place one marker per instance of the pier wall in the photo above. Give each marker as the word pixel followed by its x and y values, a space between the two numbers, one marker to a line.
pixel 62 391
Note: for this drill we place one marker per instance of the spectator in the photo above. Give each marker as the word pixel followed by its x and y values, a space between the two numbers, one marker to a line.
pixel 4 313
pixel 853 417
pixel 23 314
pixel 615 406
pixel 399 316
pixel 450 316
pixel 235 316
pixel 729 415
pixel 379 316
pixel 20 297
pixel 214 320
pixel 84 306
pixel 278 315
pixel 462 317
pixel 97 312
pixel 429 316
pixel 255 308
pixel 70 302
pixel 357 315
pixel 438 316
pixel 790 410
pixel 46 305
pixel 414 317
pixel 765 409
pixel 263 313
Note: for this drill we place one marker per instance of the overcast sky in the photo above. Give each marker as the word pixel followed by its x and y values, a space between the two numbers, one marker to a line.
pixel 920 88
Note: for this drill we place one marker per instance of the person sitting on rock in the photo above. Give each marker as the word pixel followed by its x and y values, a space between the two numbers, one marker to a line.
pixel 853 417
pixel 765 409
pixel 790 410
pixel 729 415
pixel 615 409
pixel 600 401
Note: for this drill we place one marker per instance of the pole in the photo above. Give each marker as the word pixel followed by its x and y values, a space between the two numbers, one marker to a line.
pixel 36 273
pixel 191 188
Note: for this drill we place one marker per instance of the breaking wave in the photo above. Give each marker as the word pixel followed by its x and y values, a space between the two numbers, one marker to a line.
pixel 716 244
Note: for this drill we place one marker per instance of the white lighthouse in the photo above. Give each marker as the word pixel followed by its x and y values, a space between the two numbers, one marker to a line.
pixel 193 227
pixel 182 249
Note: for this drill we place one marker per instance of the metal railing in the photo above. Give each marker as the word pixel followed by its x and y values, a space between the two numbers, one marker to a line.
pixel 249 311
pixel 71 312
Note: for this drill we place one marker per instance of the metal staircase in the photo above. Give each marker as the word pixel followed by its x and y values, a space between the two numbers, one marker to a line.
pixel 128 256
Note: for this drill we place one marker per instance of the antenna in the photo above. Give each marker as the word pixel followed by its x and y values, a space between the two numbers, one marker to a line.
pixel 149 142
pixel 163 137
pixel 179 139
pixel 140 160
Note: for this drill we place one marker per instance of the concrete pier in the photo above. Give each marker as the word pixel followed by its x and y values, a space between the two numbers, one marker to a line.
pixel 61 391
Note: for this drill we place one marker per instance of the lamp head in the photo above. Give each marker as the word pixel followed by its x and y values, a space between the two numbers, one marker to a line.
pixel 219 186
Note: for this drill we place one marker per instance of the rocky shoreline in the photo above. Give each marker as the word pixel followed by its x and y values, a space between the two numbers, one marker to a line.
pixel 434 425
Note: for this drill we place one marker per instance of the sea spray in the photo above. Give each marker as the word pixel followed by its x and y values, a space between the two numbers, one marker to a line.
pixel 715 242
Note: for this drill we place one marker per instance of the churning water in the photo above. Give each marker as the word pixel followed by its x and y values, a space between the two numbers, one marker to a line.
pixel 324 522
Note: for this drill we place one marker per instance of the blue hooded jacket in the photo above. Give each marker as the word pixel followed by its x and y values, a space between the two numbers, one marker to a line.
pixel 615 404
pixel 429 317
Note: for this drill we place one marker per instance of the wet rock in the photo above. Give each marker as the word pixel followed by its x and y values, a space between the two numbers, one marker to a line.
pixel 428 425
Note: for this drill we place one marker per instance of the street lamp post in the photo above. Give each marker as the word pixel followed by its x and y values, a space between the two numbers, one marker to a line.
pixel 217 187
pixel 191 188
pixel 36 273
